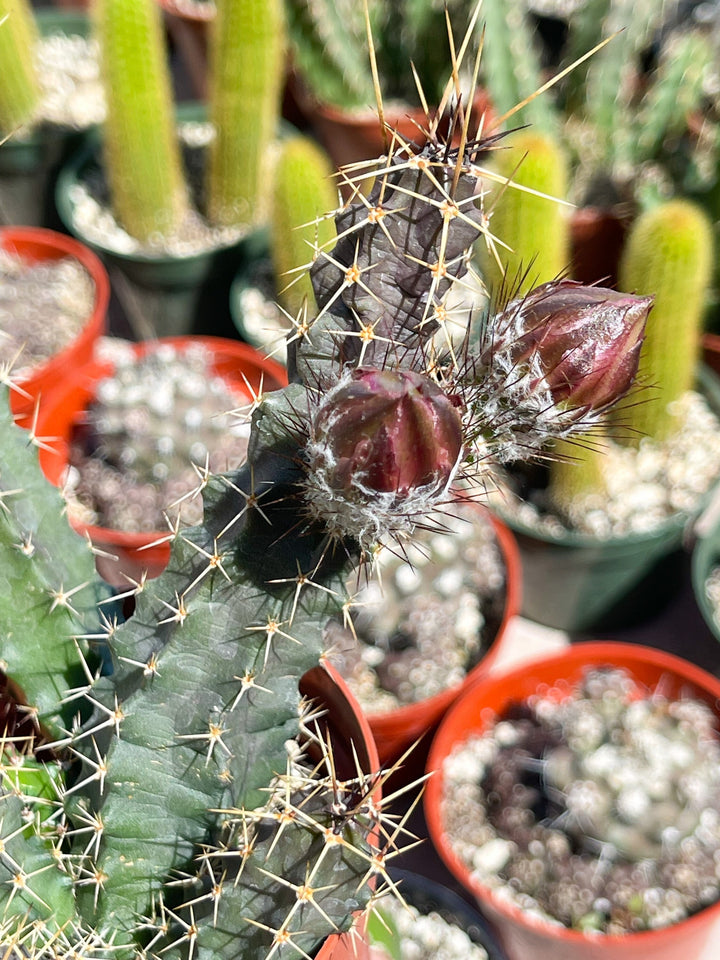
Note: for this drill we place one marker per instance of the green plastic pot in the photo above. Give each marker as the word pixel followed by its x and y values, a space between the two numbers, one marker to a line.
pixel 161 295
pixel 581 584
pixel 29 164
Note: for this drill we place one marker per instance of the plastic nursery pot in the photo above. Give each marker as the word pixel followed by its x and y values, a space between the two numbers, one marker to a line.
pixel 123 554
pixel 395 731
pixel 29 161
pixel 162 294
pixel 705 559
pixel 36 245
pixel 522 935
pixel 351 737
pixel 581 584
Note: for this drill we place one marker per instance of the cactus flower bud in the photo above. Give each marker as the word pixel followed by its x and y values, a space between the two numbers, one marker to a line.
pixel 383 440
pixel 586 341
pixel 551 363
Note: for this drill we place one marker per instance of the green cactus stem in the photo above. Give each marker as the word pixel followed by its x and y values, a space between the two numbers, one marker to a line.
pixel 303 192
pixel 141 150
pixel 527 215
pixel 246 74
pixel 20 87
pixel 668 253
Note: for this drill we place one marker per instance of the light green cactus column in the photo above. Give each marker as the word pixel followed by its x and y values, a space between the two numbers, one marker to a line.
pixel 528 216
pixel 669 254
pixel 246 75
pixel 19 86
pixel 142 155
pixel 303 192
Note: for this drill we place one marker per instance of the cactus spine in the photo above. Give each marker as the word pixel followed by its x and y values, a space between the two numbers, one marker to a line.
pixel 142 154
pixel 302 193
pixel 20 87
pixel 246 72
pixel 527 215
pixel 669 252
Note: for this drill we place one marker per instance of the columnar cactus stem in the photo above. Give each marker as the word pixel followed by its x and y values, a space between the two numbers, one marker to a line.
pixel 20 88
pixel 246 75
pixel 186 824
pixel 142 154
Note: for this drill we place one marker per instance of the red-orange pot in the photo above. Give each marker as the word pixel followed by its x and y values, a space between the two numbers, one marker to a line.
pixel 35 245
pixel 397 730
pixel 242 366
pixel 522 936
pixel 349 731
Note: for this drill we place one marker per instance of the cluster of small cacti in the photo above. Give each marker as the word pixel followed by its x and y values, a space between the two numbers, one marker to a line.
pixel 182 825
pixel 598 776
pixel 153 425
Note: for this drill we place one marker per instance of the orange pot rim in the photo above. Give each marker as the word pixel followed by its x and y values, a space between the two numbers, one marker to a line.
pixel 29 243
pixel 453 730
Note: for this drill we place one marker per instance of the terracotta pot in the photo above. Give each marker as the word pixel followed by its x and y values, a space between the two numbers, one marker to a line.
pixel 397 730
pixel 36 245
pixel 522 935
pixel 348 730
pixel 596 241
pixel 138 553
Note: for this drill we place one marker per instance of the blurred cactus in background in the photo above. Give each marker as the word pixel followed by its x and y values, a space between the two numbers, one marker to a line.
pixel 20 87
pixel 142 154
pixel 246 70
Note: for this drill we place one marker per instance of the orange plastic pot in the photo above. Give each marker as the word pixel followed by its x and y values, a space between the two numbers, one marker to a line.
pixel 351 736
pixel 522 936
pixel 133 555
pixel 37 245
pixel 397 730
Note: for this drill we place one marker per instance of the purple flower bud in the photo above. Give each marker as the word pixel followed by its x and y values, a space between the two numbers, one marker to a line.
pixel 583 341
pixel 388 431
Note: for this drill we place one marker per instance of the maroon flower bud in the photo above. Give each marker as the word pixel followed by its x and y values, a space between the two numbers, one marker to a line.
pixel 388 431
pixel 584 342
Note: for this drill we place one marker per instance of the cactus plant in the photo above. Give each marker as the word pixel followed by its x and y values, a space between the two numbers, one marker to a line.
pixel 246 71
pixel 528 215
pixel 614 113
pixel 141 151
pixel 302 193
pixel 330 45
pixel 20 93
pixel 669 251
pixel 183 823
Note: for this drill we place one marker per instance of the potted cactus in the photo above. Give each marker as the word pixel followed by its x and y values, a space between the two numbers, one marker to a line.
pixel 576 799
pixel 50 97
pixel 174 219
pixel 181 820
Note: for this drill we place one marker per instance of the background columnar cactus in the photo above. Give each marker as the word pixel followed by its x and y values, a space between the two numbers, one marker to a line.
pixel 20 89
pixel 141 149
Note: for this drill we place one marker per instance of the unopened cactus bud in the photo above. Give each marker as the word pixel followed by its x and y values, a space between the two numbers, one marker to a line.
pixel 583 340
pixel 551 363
pixel 382 441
